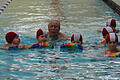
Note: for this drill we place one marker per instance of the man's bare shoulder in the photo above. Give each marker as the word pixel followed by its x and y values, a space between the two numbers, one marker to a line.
pixel 63 35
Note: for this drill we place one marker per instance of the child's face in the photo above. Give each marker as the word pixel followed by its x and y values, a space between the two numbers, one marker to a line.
pixel 78 42
pixel 42 38
pixel 16 40
pixel 112 45
pixel 113 27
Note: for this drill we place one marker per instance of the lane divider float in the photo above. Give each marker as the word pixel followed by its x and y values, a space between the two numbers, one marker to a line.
pixel 5 6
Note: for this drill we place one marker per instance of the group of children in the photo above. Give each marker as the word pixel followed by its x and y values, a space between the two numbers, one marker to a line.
pixel 110 37
pixel 108 32
pixel 13 40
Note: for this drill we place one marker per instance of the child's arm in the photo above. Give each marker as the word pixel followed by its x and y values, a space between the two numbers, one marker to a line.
pixel 4 47
pixel 22 46
pixel 104 51
pixel 116 30
pixel 118 50
pixel 33 44
pixel 102 42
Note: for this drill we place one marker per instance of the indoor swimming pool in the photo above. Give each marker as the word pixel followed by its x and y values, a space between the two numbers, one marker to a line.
pixel 87 17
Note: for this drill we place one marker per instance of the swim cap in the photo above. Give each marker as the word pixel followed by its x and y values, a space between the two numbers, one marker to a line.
pixel 111 22
pixel 76 37
pixel 111 37
pixel 41 32
pixel 106 30
pixel 10 36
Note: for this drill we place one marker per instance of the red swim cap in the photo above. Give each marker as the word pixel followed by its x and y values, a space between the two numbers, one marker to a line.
pixel 111 37
pixel 76 37
pixel 10 36
pixel 106 30
pixel 40 32
pixel 111 22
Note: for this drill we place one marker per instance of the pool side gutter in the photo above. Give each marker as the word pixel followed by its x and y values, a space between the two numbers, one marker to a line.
pixel 114 4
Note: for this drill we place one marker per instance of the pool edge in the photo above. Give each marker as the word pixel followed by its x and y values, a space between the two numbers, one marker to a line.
pixel 113 5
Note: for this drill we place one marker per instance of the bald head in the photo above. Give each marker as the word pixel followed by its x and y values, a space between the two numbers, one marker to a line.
pixel 54 30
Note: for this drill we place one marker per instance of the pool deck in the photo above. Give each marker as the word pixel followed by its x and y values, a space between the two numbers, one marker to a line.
pixel 114 4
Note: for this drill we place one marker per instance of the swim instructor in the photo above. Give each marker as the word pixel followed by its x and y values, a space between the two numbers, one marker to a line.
pixel 54 30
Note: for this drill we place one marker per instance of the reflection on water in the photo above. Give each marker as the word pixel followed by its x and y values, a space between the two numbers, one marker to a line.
pixel 56 10
pixel 87 17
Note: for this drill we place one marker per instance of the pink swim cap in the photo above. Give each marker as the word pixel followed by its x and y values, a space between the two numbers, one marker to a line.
pixel 76 37
pixel 111 37
pixel 10 36
pixel 111 22
pixel 106 30
pixel 41 32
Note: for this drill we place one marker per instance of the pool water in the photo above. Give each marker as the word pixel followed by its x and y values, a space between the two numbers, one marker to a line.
pixel 87 17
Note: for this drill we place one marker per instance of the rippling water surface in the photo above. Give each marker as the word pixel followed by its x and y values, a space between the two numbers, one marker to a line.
pixel 87 17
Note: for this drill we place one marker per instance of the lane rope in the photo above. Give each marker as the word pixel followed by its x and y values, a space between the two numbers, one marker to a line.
pixel 5 6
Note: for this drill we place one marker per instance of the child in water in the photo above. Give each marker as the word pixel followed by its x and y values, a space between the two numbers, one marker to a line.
pixel 112 41
pixel 77 38
pixel 41 37
pixel 75 45
pixel 112 23
pixel 105 31
pixel 13 41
